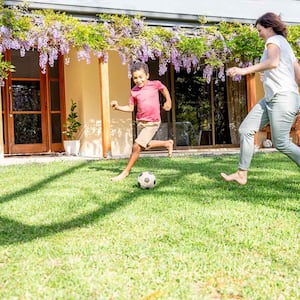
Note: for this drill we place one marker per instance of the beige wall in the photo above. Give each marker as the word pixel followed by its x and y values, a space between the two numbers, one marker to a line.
pixel 121 122
pixel 82 84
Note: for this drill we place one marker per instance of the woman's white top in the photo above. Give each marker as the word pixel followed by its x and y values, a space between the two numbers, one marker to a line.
pixel 282 78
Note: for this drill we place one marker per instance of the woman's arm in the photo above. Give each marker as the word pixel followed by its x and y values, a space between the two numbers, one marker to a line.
pixel 297 72
pixel 271 62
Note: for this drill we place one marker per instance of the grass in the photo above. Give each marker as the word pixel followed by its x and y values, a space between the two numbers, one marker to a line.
pixel 68 232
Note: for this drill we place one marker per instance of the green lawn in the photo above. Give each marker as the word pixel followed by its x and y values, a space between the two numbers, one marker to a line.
pixel 68 232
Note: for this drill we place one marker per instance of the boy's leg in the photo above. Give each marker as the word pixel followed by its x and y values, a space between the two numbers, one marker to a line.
pixel 164 144
pixel 145 133
pixel 136 149
pixel 149 130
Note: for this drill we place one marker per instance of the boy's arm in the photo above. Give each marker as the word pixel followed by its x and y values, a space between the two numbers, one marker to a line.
pixel 168 103
pixel 126 108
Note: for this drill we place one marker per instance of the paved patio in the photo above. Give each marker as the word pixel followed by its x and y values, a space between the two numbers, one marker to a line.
pixel 46 158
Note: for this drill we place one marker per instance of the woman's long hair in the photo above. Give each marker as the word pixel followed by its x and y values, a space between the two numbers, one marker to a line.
pixel 272 20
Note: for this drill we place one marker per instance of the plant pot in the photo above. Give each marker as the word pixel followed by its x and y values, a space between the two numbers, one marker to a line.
pixel 72 147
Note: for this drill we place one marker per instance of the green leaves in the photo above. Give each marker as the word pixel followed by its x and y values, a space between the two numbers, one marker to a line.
pixel 5 67
pixel 72 124
pixel 196 45
pixel 243 41
pixel 294 39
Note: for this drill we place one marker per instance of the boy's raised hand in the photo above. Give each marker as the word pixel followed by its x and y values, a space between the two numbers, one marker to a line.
pixel 167 106
pixel 114 104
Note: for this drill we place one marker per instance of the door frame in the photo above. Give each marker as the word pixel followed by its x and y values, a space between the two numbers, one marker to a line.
pixel 45 95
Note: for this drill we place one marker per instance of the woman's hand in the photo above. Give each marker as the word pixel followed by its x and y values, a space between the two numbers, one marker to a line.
pixel 235 71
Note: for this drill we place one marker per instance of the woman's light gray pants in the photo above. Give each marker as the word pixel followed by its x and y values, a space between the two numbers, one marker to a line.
pixel 280 112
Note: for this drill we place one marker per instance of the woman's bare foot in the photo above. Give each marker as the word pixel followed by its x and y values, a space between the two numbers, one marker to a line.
pixel 170 148
pixel 240 177
pixel 120 176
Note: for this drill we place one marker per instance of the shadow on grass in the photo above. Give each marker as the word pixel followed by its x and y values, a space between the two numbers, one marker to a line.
pixel 15 232
pixel 12 231
pixel 32 188
pixel 172 171
pixel 273 181
pixel 263 187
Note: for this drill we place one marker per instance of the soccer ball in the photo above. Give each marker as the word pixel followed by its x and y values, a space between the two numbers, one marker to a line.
pixel 146 180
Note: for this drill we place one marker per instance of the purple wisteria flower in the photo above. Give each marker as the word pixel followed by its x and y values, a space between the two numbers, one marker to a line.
pixel 53 35
pixel 162 68
pixel 221 74
pixel 43 60
pixel 207 73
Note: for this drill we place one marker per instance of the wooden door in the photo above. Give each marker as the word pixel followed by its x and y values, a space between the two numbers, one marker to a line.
pixel 30 123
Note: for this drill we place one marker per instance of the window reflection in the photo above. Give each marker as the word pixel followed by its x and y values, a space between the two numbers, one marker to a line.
pixel 201 110
pixel 55 100
pixel 28 129
pixel 54 71
pixel 26 96
pixel 26 66
pixel 56 128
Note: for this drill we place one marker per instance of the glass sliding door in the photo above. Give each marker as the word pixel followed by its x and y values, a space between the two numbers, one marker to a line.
pixel 201 111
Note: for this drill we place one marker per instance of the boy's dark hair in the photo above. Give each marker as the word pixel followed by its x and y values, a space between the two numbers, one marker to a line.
pixel 139 66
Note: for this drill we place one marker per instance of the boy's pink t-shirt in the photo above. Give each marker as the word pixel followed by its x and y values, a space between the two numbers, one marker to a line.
pixel 147 101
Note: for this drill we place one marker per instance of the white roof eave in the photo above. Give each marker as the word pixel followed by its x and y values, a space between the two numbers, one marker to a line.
pixel 187 11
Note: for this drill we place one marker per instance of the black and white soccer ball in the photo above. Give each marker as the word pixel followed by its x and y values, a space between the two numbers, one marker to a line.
pixel 146 180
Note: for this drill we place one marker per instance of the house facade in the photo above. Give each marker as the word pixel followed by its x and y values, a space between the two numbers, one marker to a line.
pixel 35 104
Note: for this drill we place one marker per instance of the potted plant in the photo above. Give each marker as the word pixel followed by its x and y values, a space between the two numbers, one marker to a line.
pixel 71 144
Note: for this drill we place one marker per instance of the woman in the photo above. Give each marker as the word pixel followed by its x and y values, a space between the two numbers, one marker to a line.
pixel 280 105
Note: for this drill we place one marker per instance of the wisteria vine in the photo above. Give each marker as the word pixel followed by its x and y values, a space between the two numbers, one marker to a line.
pixel 207 47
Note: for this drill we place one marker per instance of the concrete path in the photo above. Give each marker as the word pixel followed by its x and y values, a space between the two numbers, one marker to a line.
pixel 46 158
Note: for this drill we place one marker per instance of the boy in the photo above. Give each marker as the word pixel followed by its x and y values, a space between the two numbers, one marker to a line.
pixel 145 95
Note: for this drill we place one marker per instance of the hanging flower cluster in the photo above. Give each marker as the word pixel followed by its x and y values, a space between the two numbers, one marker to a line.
pixel 206 47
